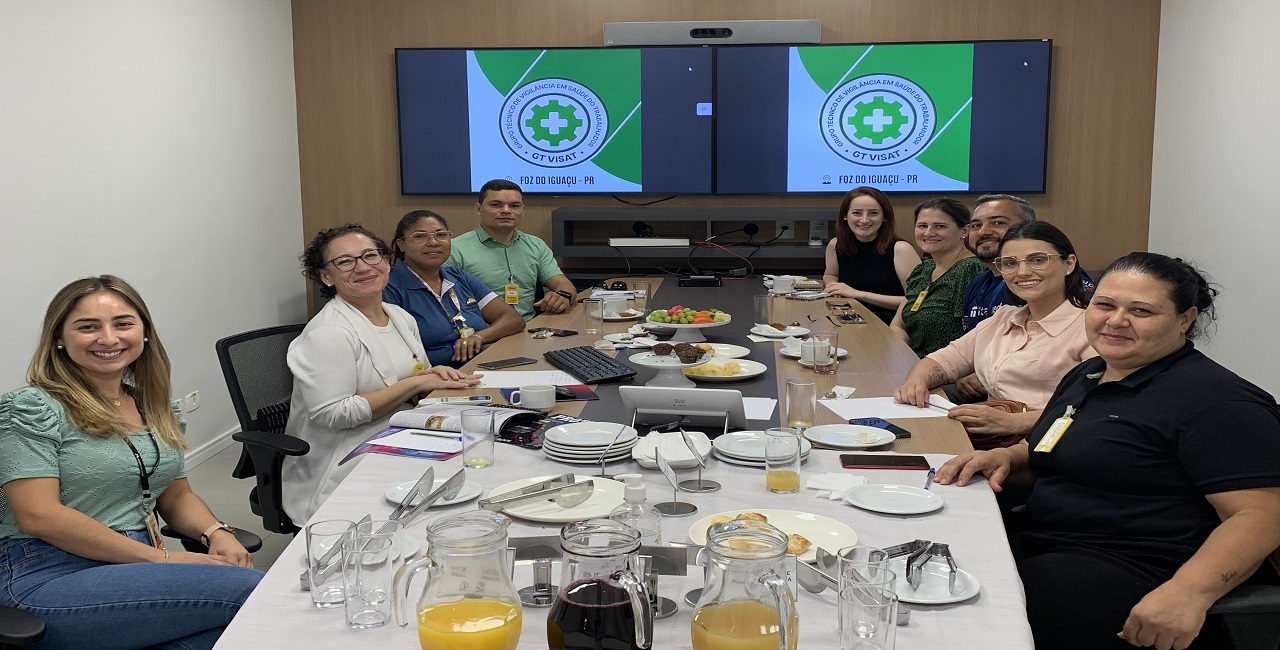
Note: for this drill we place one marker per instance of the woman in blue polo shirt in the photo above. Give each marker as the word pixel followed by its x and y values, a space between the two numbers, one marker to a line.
pixel 457 314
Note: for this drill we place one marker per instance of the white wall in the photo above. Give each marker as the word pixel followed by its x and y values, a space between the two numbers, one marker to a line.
pixel 1216 177
pixel 155 140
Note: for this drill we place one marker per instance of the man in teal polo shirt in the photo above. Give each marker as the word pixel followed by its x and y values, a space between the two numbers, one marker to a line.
pixel 511 263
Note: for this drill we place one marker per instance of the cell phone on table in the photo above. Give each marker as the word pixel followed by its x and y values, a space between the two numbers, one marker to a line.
pixel 505 363
pixel 880 423
pixel 849 318
pixel 540 332
pixel 883 461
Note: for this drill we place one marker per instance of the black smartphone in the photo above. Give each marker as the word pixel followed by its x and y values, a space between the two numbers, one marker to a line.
pixel 897 431
pixel 505 363
pixel 543 332
pixel 883 461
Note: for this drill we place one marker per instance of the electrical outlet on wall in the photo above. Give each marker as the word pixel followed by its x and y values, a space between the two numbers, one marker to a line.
pixel 784 229
pixel 818 229
pixel 191 402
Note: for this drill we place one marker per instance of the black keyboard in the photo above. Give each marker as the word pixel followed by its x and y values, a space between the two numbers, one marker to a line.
pixel 590 365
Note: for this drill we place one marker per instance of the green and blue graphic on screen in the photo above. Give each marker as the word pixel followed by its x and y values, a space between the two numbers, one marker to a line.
pixel 556 120
pixel 894 116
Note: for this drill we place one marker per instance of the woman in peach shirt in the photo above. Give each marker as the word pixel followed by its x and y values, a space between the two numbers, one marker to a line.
pixel 1020 353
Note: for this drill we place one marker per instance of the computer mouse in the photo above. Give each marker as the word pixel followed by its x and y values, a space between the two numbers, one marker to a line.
pixel 563 393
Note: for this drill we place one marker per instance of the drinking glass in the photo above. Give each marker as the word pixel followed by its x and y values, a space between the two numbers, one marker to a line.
pixel 593 312
pixel 643 290
pixel 802 402
pixel 825 351
pixel 477 438
pixel 367 565
pixel 321 537
pixel 764 309
pixel 782 460
pixel 868 618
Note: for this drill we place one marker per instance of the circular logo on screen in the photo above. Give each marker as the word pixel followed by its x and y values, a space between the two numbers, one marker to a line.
pixel 877 120
pixel 554 122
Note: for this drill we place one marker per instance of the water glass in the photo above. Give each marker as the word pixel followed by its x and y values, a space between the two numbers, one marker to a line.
pixel 643 290
pixel 764 309
pixel 825 351
pixel 782 460
pixel 802 403
pixel 321 537
pixel 477 438
pixel 593 312
pixel 367 567
pixel 868 618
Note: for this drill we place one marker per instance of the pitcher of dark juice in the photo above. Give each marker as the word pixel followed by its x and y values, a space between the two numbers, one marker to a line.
pixel 746 603
pixel 602 604
pixel 469 600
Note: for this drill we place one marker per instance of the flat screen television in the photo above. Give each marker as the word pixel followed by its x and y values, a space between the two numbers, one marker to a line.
pixel 564 120
pixel 910 117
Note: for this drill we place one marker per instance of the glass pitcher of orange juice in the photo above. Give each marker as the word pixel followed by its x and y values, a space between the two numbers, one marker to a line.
pixel 746 603
pixel 469 600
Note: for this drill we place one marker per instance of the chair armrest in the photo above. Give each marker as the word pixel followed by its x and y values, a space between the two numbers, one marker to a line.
pixel 1249 599
pixel 19 628
pixel 276 442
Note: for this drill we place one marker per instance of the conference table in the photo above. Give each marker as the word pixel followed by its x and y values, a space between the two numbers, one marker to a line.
pixel 279 614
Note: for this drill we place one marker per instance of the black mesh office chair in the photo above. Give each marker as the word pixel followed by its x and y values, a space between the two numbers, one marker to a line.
pixel 261 387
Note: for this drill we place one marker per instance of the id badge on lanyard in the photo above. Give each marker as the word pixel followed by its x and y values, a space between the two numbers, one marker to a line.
pixel 919 300
pixel 460 320
pixel 1056 431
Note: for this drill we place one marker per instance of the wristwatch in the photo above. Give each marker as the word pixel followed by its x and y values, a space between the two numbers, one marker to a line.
pixel 221 525
pixel 567 296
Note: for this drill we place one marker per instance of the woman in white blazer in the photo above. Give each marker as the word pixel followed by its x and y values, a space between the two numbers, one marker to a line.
pixel 356 363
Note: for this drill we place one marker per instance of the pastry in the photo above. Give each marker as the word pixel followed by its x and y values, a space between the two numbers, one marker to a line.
pixel 797 544
pixel 661 349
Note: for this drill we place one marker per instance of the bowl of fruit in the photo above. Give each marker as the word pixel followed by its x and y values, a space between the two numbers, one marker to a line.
pixel 686 321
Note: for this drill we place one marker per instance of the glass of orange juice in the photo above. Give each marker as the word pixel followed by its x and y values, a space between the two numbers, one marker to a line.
pixel 782 460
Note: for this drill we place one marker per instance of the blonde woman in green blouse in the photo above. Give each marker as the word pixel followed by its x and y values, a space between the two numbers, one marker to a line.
pixel 90 452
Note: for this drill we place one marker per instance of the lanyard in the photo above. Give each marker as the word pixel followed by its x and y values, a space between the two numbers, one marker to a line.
pixel 459 320
pixel 144 476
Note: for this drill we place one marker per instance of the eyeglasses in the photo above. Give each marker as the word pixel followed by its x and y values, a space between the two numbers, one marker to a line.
pixel 1035 262
pixel 422 237
pixel 372 257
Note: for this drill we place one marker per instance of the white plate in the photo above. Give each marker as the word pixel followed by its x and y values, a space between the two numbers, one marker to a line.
pixel 654 360
pixel 608 494
pixel 824 532
pixel 741 462
pixel 933 588
pixel 589 434
pixel 893 499
pixel 807 295
pixel 685 326
pixel 595 460
pixel 628 338
pixel 624 315
pixel 470 490
pixel 748 370
pixel 561 452
pixel 729 351
pixel 848 436
pixel 749 445
pixel 771 333
pixel 588 449
pixel 794 353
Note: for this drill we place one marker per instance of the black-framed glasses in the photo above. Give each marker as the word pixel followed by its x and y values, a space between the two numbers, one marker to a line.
pixel 1035 262
pixel 422 236
pixel 372 257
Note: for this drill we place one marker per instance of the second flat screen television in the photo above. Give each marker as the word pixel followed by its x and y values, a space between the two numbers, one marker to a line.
pixel 911 117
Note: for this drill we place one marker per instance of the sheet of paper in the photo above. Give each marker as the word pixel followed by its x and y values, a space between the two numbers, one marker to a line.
pixel 760 339
pixel 407 439
pixel 886 407
pixel 518 378
pixel 759 408
pixel 607 293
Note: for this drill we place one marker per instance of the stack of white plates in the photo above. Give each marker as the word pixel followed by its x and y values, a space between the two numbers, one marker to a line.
pixel 747 448
pixel 582 443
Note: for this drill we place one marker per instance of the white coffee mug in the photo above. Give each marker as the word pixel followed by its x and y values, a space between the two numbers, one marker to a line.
pixel 614 306
pixel 807 352
pixel 540 396
pixel 784 284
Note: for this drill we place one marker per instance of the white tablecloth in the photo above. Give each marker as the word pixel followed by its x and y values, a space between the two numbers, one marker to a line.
pixel 278 614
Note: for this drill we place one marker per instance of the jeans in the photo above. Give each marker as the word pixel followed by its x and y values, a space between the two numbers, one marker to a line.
pixel 87 603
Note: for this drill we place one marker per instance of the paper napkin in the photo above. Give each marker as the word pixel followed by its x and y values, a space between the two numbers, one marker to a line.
pixel 833 484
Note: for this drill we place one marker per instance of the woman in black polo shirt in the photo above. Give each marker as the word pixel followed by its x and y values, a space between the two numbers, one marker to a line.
pixel 1154 474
